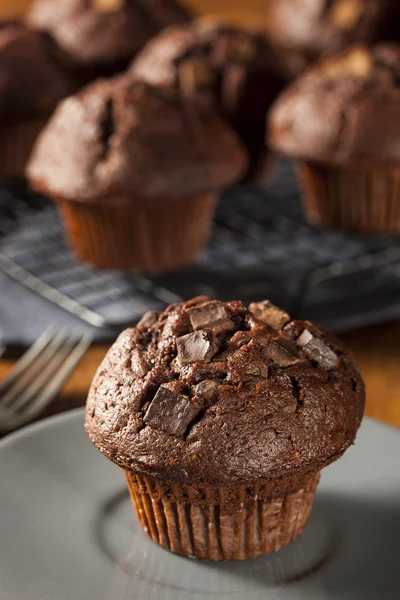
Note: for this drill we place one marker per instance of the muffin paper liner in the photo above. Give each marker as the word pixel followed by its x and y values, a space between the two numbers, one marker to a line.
pixel 363 198
pixel 184 520
pixel 16 144
pixel 153 236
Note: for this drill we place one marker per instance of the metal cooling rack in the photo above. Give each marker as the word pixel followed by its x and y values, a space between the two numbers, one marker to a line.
pixel 261 247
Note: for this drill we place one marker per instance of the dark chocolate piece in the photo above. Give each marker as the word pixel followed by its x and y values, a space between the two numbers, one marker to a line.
pixel 270 314
pixel 207 389
pixel 282 356
pixel 170 412
pixel 210 315
pixel 316 350
pixel 195 347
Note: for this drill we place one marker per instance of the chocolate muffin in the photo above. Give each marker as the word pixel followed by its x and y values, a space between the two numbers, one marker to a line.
pixel 31 84
pixel 100 37
pixel 304 30
pixel 222 418
pixel 135 172
pixel 341 122
pixel 234 67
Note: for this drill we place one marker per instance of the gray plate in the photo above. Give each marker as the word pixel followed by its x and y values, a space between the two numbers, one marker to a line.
pixel 67 531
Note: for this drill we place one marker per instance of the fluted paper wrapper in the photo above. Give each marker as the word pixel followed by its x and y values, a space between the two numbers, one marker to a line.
pixel 364 199
pixel 16 144
pixel 153 236
pixel 204 525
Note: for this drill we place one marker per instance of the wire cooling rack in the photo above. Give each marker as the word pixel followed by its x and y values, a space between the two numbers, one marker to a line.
pixel 260 247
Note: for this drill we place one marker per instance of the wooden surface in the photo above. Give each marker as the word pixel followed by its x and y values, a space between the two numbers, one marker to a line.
pixel 242 10
pixel 377 349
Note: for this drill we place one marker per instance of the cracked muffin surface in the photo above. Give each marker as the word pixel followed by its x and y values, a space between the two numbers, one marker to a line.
pixel 344 108
pixel 216 392
pixel 124 137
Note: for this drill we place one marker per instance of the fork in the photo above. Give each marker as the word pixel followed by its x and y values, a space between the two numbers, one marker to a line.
pixel 39 375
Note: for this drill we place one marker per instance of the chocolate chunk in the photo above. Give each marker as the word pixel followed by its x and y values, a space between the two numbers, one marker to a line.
pixel 316 350
pixel 148 319
pixel 304 338
pixel 206 389
pixel 210 315
pixel 138 364
pixel 195 347
pixel 270 314
pixel 170 412
pixel 282 356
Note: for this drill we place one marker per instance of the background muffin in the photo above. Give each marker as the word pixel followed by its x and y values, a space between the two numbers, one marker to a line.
pixel 304 30
pixel 233 66
pixel 134 171
pixel 31 83
pixel 341 121
pixel 222 418
pixel 100 37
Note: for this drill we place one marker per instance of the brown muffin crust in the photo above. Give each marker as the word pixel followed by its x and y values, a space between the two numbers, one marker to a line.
pixel 214 393
pixel 121 139
pixel 344 109
pixel 104 32
pixel 233 67
pixel 32 81
pixel 304 30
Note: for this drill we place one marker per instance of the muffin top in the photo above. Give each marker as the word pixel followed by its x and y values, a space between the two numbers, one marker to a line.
pixel 122 139
pixel 103 32
pixel 345 108
pixel 31 80
pixel 213 392
pixel 307 29
pixel 235 67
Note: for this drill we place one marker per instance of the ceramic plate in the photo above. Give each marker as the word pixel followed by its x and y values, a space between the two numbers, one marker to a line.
pixel 68 532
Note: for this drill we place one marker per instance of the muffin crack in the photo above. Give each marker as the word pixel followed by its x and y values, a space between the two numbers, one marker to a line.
pixel 107 128
pixel 296 391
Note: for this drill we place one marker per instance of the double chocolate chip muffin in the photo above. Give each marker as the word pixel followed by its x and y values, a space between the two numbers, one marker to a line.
pixel 235 68
pixel 32 82
pixel 341 122
pixel 304 30
pixel 135 171
pixel 222 418
pixel 100 37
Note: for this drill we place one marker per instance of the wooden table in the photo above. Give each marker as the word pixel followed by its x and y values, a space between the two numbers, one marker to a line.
pixel 377 349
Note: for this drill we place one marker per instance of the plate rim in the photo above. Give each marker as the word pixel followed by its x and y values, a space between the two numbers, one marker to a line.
pixel 46 423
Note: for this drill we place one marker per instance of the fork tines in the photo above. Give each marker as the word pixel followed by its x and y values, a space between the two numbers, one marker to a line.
pixel 39 375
